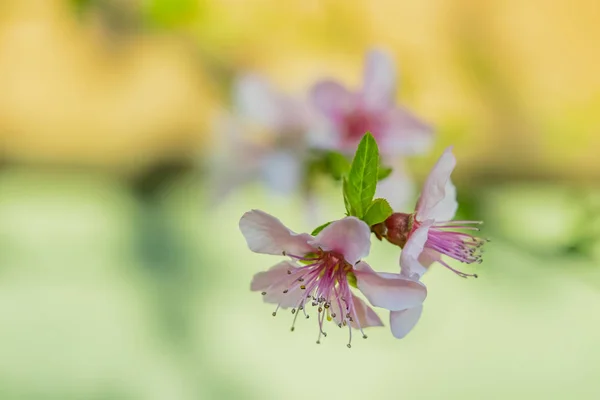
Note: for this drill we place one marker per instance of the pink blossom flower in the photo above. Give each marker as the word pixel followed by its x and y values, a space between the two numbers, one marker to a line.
pixel 432 220
pixel 347 115
pixel 264 138
pixel 429 233
pixel 350 114
pixel 322 270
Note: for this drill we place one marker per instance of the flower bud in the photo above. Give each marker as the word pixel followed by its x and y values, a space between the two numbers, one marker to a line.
pixel 395 229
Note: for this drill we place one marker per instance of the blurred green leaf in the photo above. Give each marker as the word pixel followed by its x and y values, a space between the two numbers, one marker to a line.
pixel 170 13
pixel 81 5
pixel 383 172
pixel 337 164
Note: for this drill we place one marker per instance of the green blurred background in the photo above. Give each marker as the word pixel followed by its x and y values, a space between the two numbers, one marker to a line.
pixel 120 278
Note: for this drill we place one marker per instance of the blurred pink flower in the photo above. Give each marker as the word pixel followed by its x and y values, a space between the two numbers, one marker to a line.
pixel 321 271
pixel 264 138
pixel 348 115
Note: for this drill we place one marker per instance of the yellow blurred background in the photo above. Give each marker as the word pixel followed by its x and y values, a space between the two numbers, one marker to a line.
pixel 121 279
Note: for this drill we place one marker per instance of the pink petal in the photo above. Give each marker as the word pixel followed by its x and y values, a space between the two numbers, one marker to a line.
pixel 267 235
pixel 379 80
pixel 365 314
pixel 331 98
pixel 409 257
pixel 391 291
pixel 403 321
pixel 274 275
pixel 438 198
pixel 349 236
pixel 428 257
pixel 275 281
pixel 405 134
pixel 275 295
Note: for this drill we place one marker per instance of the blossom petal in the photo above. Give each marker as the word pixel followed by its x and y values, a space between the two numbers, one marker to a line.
pixel 230 144
pixel 428 257
pixel 291 298
pixel 331 98
pixel 254 99
pixel 349 236
pixel 438 198
pixel 277 273
pixel 379 80
pixel 405 134
pixel 391 291
pixel 365 316
pixel 409 258
pixel 280 284
pixel 445 210
pixel 267 235
pixel 403 321
pixel 282 171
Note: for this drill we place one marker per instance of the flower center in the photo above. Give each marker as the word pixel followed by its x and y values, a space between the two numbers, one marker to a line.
pixel 356 123
pixel 324 282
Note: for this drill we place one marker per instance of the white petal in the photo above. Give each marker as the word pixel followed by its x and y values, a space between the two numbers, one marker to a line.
pixel 379 80
pixel 282 172
pixel 391 291
pixel 445 210
pixel 267 235
pixel 409 258
pixel 349 236
pixel 438 198
pixel 402 322
pixel 230 144
pixel 255 100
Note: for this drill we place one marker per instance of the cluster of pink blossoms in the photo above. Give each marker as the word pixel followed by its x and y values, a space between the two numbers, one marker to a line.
pixel 275 136
pixel 322 270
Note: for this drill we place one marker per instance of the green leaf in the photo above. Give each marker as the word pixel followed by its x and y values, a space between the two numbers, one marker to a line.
pixel 384 172
pixel 362 178
pixel 337 165
pixel 378 211
pixel 347 202
pixel 320 228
